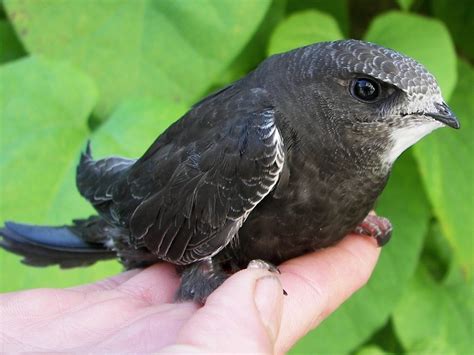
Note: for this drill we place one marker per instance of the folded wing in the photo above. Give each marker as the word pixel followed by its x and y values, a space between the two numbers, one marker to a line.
pixel 211 192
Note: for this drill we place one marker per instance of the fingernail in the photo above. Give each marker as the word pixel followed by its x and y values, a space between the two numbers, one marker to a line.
pixel 269 302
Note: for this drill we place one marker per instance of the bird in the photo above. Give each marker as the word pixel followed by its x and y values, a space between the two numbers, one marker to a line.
pixel 282 162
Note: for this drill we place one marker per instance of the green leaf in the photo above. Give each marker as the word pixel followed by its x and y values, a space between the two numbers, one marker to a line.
pixel 338 9
pixel 256 49
pixel 172 49
pixel 427 40
pixel 405 4
pixel 303 28
pixel 134 126
pixel 10 47
pixel 459 17
pixel 405 204
pixel 447 167
pixel 44 109
pixel 435 319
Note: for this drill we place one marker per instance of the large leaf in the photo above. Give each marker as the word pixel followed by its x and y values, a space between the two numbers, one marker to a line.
pixel 172 49
pixel 405 204
pixel 446 161
pixel 134 126
pixel 339 9
pixel 459 17
pixel 256 49
pixel 427 40
pixel 304 28
pixel 435 319
pixel 44 110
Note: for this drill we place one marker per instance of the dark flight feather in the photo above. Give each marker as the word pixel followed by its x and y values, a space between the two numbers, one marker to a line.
pixel 43 246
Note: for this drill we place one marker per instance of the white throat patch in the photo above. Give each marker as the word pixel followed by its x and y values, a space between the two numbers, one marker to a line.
pixel 405 137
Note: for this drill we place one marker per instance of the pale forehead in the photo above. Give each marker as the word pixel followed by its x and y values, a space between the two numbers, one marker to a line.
pixel 358 57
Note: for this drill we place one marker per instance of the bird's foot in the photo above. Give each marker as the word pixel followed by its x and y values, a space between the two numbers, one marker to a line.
pixel 262 264
pixel 377 227
pixel 199 280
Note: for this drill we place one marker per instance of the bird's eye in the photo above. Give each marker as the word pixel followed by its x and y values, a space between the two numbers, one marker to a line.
pixel 366 90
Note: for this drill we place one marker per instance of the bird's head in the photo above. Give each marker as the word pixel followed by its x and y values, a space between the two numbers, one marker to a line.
pixel 369 97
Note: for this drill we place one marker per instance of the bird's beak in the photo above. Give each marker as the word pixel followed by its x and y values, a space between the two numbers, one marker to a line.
pixel 444 115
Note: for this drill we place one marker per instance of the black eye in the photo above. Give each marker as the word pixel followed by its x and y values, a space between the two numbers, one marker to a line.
pixel 364 89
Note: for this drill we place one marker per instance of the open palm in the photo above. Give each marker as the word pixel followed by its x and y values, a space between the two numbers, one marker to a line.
pixel 133 311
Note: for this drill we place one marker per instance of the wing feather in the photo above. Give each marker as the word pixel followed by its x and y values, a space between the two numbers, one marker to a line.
pixel 188 195
pixel 212 191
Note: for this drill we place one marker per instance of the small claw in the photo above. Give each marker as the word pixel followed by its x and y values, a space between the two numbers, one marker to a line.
pixel 384 239
pixel 261 264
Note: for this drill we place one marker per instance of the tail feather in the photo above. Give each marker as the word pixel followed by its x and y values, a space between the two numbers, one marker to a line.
pixel 43 246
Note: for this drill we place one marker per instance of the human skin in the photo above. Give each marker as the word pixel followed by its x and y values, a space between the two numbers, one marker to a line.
pixel 133 311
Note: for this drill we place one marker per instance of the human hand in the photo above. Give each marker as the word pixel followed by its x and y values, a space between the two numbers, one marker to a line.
pixel 132 312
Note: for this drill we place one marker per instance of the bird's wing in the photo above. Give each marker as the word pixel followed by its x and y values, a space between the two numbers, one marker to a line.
pixel 216 183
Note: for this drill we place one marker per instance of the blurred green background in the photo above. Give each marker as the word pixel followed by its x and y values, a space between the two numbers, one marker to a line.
pixel 119 72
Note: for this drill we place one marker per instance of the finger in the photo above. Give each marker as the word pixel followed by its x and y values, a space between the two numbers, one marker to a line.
pixel 244 313
pixel 155 284
pixel 154 328
pixel 108 283
pixel 319 282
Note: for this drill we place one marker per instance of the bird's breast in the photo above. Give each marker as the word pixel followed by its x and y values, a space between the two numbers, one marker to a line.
pixel 316 209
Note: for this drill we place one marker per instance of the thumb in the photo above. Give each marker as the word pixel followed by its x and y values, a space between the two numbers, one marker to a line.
pixel 268 298
pixel 243 314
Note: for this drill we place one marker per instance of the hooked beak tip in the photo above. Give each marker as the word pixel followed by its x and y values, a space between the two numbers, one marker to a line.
pixel 445 115
pixel 448 120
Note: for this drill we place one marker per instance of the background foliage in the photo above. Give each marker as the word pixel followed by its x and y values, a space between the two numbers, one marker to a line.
pixel 121 71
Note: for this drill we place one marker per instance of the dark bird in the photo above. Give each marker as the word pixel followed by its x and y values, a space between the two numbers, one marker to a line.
pixel 284 161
